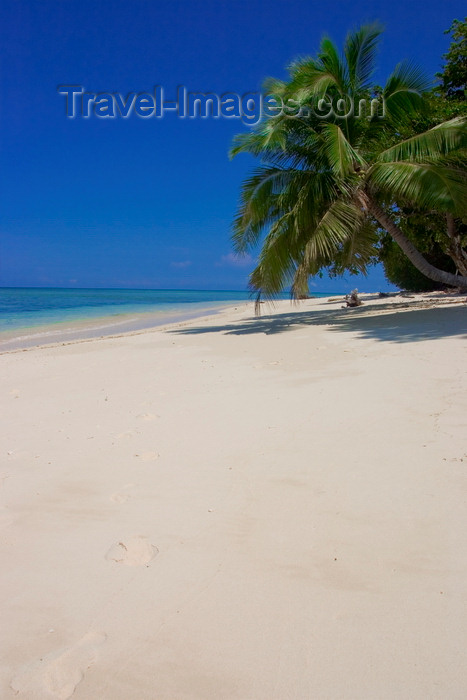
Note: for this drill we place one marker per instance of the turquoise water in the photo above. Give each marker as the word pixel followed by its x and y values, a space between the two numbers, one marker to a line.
pixel 27 308
pixel 35 316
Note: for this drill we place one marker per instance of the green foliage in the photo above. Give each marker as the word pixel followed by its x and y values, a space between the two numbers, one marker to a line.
pixel 429 232
pixel 428 235
pixel 308 204
pixel 453 78
pixel 399 270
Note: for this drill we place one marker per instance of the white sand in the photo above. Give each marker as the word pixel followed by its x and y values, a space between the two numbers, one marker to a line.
pixel 240 509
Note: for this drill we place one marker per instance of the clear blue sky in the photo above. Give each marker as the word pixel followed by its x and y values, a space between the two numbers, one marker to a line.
pixel 149 202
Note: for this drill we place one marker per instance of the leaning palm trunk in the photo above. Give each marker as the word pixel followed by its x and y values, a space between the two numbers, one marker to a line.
pixel 454 248
pixel 415 257
pixel 310 202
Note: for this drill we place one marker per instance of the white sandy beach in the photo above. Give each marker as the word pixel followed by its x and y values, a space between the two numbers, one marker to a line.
pixel 240 509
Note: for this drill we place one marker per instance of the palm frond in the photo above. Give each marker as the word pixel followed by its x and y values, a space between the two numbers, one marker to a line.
pixel 333 64
pixel 274 86
pixel 314 77
pixel 336 236
pixel 331 231
pixel 270 193
pixel 360 53
pixel 358 248
pixel 271 136
pixel 438 142
pixel 342 158
pixel 258 206
pixel 276 263
pixel 403 92
pixel 428 186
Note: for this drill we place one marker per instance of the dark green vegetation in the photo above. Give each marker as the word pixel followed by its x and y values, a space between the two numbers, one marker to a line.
pixel 338 193
pixel 442 245
pixel 453 77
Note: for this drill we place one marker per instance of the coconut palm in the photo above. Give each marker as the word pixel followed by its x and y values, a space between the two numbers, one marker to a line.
pixel 325 185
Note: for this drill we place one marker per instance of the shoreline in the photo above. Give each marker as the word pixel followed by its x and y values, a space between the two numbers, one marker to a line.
pixel 394 300
pixel 81 330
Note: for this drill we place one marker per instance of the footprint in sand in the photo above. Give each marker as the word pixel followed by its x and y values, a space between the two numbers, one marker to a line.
pixel 147 416
pixel 133 551
pixel 123 495
pixel 126 435
pixel 147 456
pixel 56 676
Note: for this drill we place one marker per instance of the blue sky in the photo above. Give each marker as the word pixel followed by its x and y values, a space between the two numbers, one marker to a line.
pixel 148 203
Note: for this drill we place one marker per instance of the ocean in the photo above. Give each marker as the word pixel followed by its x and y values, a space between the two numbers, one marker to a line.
pixel 38 316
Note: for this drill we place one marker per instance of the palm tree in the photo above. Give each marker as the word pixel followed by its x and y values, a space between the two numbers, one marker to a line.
pixel 325 185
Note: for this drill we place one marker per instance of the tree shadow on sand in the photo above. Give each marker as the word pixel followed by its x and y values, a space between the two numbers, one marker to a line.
pixel 379 322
